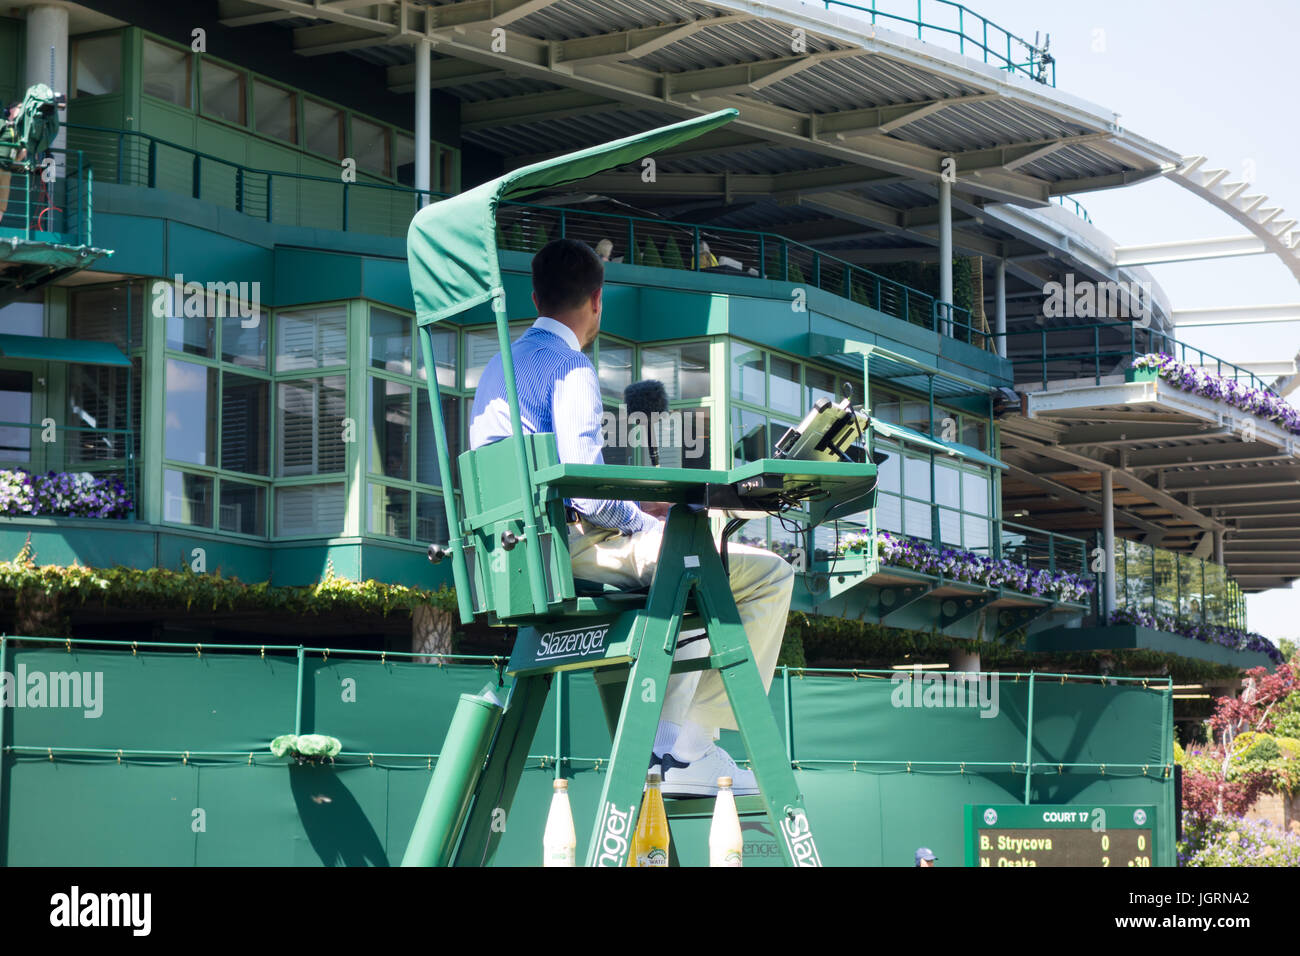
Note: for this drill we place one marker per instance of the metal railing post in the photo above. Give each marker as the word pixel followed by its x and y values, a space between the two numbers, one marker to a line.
pixel 1029 739
pixel 152 173
pixel 345 207
pixel 269 204
pixel 197 190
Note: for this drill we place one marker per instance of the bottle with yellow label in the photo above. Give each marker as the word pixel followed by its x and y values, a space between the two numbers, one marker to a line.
pixel 651 840
pixel 560 841
pixel 726 844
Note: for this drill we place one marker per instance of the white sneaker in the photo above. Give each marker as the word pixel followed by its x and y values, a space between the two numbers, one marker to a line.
pixel 699 778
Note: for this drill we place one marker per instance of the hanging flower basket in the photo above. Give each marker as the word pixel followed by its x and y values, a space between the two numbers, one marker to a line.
pixel 306 748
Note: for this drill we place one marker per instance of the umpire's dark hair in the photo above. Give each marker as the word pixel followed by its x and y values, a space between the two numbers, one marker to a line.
pixel 565 274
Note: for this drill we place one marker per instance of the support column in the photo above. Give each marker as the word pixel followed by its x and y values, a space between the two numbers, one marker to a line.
pixel 1000 306
pixel 47 28
pixel 423 131
pixel 945 248
pixel 1218 547
pixel 1108 540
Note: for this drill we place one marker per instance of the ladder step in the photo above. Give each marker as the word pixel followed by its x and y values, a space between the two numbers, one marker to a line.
pixel 703 807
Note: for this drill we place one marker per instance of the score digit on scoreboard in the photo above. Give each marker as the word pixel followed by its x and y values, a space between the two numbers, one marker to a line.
pixel 1070 835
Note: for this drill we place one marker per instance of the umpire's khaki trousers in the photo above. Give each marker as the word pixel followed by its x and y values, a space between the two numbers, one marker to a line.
pixel 760 581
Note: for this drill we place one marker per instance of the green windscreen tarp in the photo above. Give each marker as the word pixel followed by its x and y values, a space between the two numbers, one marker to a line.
pixel 452 244
pixel 76 351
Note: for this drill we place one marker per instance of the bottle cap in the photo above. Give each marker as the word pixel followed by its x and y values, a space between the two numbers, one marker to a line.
pixel 561 784
pixel 652 776
pixel 724 781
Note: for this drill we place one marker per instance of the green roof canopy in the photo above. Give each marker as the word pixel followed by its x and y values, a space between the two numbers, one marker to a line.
pixel 898 432
pixel 452 244
pixel 75 351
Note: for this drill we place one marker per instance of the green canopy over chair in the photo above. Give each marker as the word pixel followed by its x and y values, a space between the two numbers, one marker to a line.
pixel 452 251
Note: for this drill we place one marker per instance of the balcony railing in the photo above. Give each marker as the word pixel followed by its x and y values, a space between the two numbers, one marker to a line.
pixel 1104 348
pixel 131 158
pixel 1167 584
pixel 49 204
pixel 1044 550
pixel 952 24
pixel 103 453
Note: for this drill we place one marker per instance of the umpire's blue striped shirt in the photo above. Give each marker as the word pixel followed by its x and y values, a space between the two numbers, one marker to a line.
pixel 558 392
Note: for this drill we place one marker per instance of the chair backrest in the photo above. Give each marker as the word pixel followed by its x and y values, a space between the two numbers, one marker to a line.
pixel 496 508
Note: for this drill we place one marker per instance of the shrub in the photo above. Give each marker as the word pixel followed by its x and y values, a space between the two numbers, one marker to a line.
pixel 1231 841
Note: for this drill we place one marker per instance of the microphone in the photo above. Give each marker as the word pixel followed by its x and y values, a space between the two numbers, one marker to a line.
pixel 650 398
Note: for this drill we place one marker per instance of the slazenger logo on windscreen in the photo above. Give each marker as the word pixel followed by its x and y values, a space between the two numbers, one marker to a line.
pixel 554 645
pixel 799 838
pixel 613 836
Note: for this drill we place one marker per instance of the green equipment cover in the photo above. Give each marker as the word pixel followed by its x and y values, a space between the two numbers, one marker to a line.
pixel 452 244
pixel 33 129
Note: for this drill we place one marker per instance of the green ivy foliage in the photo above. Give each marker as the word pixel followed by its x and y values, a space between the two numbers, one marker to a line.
pixel 121 587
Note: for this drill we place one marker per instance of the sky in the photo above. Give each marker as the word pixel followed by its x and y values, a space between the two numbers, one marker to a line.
pixel 1200 78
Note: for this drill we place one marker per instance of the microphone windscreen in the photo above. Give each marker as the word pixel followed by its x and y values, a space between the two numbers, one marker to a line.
pixel 648 396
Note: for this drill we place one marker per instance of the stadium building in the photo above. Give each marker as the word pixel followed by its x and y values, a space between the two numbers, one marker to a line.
pixel 206 307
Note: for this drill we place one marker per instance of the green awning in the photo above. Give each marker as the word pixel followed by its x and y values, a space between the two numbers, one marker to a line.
pixel 452 244
pixel 899 433
pixel 74 351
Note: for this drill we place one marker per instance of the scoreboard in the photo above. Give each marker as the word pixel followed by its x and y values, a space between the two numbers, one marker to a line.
pixel 1062 835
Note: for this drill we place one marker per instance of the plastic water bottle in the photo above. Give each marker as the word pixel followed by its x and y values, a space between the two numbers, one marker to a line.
pixel 726 844
pixel 560 842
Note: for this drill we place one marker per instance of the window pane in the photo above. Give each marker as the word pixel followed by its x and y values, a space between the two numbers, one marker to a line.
pixel 820 384
pixel 370 149
pixel 311 426
pixel 223 92
pixel 916 518
pixel 890 470
pixel 242 345
pixel 243 508
pixel 430 519
pixel 889 513
pixel 976 533
pixel 322 129
pixel 194 334
pixel 480 346
pixel 390 424
pixel 972 433
pixel 312 338
pixel 190 432
pixel 275 112
pixel 390 341
pixel 974 493
pixel 949 526
pixel 426 471
pixel 784 385
pixel 752 533
pixel 166 73
pixel 886 409
pixel 245 424
pixel 102 313
pixel 683 438
pixel 916 416
pixel 747 374
pixel 444 353
pixel 749 433
pixel 310 509
pixel 97 398
pixel 16 390
pixel 947 480
pixel 916 475
pixel 390 511
pixel 99 65
pixel 615 371
pixel 684 369
pixel 187 499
